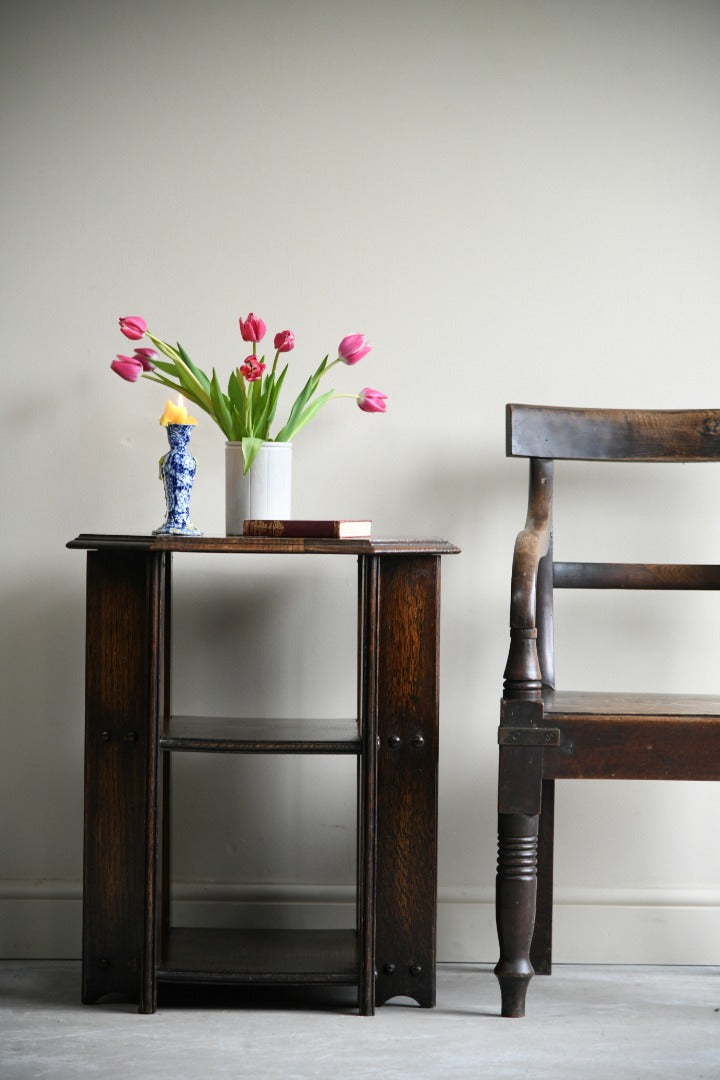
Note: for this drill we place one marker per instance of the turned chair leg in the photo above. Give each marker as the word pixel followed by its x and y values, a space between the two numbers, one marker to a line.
pixel 516 898
pixel 541 948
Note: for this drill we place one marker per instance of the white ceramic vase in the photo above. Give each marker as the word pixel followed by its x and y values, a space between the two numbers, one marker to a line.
pixel 266 490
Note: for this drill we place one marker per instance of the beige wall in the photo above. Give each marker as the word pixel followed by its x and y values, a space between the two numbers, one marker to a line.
pixel 514 201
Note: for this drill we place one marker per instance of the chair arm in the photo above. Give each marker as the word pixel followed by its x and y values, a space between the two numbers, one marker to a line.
pixel 530 545
pixel 523 676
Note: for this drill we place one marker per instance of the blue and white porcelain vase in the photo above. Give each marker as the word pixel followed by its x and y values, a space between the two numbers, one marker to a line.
pixel 177 472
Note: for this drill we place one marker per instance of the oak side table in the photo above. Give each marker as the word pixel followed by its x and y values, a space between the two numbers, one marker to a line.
pixel 131 735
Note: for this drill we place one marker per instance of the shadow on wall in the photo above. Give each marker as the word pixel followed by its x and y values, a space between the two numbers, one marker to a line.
pixel 265 636
pixel 42 661
pixel 464 502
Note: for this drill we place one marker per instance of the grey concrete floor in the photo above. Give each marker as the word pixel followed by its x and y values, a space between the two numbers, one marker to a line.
pixel 609 1023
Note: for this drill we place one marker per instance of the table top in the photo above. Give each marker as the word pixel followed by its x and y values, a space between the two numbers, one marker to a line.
pixel 309 545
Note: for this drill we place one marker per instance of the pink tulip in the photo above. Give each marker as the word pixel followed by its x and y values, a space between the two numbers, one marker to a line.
pixel 285 341
pixel 252 328
pixel 371 400
pixel 252 369
pixel 133 327
pixel 129 368
pixel 352 348
pixel 146 356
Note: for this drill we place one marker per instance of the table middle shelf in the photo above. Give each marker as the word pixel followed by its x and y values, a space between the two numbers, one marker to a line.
pixel 228 735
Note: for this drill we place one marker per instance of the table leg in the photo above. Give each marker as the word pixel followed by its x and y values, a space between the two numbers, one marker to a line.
pixel 124 632
pixel 406 701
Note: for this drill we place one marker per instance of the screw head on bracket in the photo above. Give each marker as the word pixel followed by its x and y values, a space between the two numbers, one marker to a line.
pixel 389 968
pixel 415 969
pixel 418 739
pixel 394 741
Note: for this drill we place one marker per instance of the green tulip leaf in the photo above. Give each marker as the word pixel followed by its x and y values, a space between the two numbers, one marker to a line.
pixel 238 427
pixel 161 365
pixel 164 348
pixel 223 415
pixel 305 417
pixel 195 371
pixel 266 410
pixel 250 449
pixel 196 386
pixel 273 397
pixel 236 392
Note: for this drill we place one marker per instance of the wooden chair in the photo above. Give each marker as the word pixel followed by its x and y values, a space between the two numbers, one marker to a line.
pixel 546 734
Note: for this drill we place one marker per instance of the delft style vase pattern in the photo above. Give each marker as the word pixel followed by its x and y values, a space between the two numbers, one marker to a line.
pixel 177 472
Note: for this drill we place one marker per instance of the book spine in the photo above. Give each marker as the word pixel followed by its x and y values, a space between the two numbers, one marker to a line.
pixel 262 527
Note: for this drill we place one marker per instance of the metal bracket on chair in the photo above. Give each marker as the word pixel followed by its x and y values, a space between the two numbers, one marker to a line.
pixel 528 736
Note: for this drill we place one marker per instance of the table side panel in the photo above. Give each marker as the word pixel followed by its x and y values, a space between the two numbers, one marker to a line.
pixel 407 707
pixel 121 710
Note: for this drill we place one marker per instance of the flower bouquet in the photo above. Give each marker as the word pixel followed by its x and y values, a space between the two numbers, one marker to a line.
pixel 246 411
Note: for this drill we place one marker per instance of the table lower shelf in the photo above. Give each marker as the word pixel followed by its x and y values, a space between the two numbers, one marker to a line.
pixel 260 957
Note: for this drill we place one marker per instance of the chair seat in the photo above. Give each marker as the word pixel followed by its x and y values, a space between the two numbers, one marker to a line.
pixel 633 736
pixel 586 703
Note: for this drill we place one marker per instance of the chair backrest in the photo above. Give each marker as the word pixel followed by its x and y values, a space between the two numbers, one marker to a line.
pixel 613 434
pixel 545 434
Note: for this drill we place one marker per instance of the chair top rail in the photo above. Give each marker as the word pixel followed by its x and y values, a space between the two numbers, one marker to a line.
pixel 591 575
pixel 613 434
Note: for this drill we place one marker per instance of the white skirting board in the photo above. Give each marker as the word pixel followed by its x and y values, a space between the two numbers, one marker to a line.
pixel 42 920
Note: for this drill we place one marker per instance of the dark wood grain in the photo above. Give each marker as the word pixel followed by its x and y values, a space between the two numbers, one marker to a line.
pixel 248 545
pixel 132 736
pixel 653 748
pixel 260 957
pixel 590 575
pixel 547 734
pixel 560 704
pixel 531 545
pixel 542 431
pixel 541 948
pixel 230 735
pixel 120 724
pixel 523 677
pixel 634 736
pixel 516 896
pixel 407 726
pixel 367 793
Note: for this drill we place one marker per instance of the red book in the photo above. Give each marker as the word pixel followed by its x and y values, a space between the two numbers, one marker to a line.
pixel 340 530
